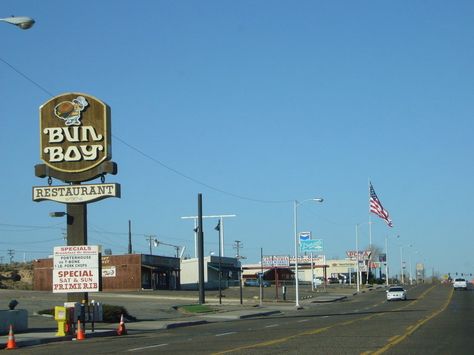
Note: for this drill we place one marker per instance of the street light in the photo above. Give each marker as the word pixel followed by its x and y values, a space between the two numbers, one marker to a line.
pixel 57 214
pixel 22 21
pixel 295 225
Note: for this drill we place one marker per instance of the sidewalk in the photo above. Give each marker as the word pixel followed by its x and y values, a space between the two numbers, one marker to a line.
pixel 43 329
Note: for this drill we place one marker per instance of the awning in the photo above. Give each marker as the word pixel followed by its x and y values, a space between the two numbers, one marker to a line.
pixel 215 267
pixel 159 268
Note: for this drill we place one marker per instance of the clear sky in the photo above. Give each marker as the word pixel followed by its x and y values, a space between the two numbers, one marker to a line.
pixel 253 104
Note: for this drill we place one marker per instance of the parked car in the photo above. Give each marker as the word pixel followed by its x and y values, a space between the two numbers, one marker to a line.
pixel 256 283
pixel 333 280
pixel 317 281
pixel 460 284
pixel 396 293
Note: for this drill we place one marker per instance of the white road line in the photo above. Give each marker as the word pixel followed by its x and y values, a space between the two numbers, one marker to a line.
pixel 222 334
pixel 147 347
pixel 271 325
pixel 325 317
pixel 303 320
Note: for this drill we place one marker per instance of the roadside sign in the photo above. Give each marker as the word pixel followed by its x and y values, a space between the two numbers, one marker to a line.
pixel 76 269
pixel 304 236
pixel 276 261
pixel 314 245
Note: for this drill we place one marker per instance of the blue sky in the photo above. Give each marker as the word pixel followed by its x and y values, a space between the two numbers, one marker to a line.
pixel 253 104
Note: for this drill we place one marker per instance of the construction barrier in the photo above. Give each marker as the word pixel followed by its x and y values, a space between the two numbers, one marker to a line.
pixel 121 329
pixel 11 344
pixel 81 335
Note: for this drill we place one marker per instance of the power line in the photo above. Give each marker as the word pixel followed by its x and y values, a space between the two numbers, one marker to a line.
pixel 26 77
pixel 139 151
pixel 196 181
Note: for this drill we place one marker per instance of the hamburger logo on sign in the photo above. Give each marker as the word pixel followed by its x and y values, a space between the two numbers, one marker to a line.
pixel 75 132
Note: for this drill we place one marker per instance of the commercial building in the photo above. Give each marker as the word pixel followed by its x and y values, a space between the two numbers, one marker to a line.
pixel 122 272
pixel 230 269
pixel 322 269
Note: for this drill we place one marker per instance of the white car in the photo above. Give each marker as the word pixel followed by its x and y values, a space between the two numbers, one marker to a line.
pixel 460 283
pixel 396 293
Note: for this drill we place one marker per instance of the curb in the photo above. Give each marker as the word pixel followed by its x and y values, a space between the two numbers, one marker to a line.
pixel 268 313
pixel 185 324
pixel 330 300
pixel 32 342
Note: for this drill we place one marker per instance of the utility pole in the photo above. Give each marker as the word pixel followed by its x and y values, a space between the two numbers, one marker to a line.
pixel 200 253
pixel 11 253
pixel 150 239
pixel 129 236
pixel 237 246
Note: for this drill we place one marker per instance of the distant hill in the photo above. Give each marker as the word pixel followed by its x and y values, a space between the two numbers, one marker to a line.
pixel 16 276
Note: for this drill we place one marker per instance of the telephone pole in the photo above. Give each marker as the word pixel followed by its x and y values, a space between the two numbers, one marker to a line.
pixel 11 253
pixel 237 245
pixel 150 239
pixel 129 236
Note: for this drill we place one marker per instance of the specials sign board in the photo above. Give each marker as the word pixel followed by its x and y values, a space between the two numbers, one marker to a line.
pixel 76 269
pixel 75 134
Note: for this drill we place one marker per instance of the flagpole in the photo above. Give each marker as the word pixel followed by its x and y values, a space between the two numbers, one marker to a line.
pixel 370 222
pixel 370 241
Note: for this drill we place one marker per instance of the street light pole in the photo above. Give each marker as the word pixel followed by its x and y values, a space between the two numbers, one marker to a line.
pixel 401 264
pixel 409 264
pixel 295 227
pixel 295 222
pixel 357 259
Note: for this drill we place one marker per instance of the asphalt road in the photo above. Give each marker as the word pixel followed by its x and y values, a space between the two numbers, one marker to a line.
pixel 434 320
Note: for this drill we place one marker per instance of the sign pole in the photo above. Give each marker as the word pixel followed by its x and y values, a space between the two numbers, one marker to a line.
pixel 77 235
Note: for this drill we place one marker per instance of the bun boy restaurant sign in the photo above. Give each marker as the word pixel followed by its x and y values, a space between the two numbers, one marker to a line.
pixel 75 133
pixel 75 146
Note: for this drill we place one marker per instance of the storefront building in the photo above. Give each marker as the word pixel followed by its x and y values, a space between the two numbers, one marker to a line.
pixel 122 273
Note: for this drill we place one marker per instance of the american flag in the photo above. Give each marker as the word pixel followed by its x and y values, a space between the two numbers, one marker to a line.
pixel 377 208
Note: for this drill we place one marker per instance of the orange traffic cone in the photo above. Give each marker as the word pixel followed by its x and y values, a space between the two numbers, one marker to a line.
pixel 121 329
pixel 80 332
pixel 11 339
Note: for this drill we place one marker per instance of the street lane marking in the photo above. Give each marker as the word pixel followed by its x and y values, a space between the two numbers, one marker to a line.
pixel 392 342
pixel 271 325
pixel 302 320
pixel 223 334
pixel 393 338
pixel 314 331
pixel 147 347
